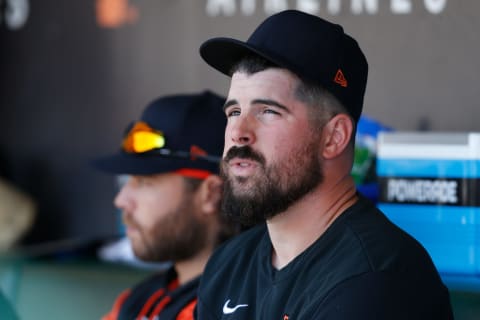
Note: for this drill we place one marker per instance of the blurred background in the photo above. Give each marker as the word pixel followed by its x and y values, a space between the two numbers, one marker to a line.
pixel 74 73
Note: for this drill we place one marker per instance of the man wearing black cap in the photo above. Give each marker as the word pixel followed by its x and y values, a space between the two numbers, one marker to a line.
pixel 171 201
pixel 325 251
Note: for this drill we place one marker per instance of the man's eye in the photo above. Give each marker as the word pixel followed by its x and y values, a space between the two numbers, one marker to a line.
pixel 270 111
pixel 233 113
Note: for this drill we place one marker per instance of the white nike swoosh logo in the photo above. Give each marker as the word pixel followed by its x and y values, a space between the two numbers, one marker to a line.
pixel 228 310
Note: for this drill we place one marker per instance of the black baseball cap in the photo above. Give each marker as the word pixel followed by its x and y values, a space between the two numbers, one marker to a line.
pixel 314 49
pixel 185 121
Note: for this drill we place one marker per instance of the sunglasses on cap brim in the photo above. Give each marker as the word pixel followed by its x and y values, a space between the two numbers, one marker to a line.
pixel 143 139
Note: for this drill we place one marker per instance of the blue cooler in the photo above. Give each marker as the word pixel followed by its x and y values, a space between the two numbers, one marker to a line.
pixel 429 186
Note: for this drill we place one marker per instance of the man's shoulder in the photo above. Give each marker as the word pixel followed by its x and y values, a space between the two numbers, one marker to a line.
pixel 384 243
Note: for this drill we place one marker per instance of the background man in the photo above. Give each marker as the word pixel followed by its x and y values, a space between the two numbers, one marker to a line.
pixel 325 251
pixel 171 201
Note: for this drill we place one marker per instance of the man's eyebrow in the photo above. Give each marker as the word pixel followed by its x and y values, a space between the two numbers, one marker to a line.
pixel 269 102
pixel 229 103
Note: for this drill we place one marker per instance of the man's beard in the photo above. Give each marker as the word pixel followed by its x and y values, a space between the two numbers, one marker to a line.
pixel 272 190
pixel 176 237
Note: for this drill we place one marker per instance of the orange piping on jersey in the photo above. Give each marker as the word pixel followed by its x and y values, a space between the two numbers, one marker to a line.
pixel 155 296
pixel 187 312
pixel 160 307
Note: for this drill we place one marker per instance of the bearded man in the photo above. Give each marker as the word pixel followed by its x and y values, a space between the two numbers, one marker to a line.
pixel 319 250
pixel 171 201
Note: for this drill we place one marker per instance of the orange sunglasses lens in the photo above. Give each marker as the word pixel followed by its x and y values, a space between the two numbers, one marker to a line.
pixel 142 138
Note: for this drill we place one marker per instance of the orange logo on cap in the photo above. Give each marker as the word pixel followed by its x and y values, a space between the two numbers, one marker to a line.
pixel 196 151
pixel 340 79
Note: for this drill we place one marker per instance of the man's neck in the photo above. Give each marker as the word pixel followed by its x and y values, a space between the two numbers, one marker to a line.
pixel 189 269
pixel 294 230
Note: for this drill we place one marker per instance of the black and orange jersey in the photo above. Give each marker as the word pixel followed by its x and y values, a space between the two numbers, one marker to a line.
pixel 362 267
pixel 159 297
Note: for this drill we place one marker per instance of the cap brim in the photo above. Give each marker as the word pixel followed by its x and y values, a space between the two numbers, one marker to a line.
pixel 223 53
pixel 123 163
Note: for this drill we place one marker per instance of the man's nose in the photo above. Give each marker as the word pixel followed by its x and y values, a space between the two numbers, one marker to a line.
pixel 242 131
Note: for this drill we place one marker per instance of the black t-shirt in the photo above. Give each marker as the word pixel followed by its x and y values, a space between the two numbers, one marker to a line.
pixel 362 267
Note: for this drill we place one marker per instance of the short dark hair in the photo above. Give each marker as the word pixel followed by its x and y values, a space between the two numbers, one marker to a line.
pixel 323 105
pixel 251 64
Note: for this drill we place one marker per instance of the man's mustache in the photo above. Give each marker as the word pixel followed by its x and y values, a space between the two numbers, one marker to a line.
pixel 244 152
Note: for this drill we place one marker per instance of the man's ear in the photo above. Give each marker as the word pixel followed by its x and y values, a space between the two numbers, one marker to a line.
pixel 337 134
pixel 211 194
